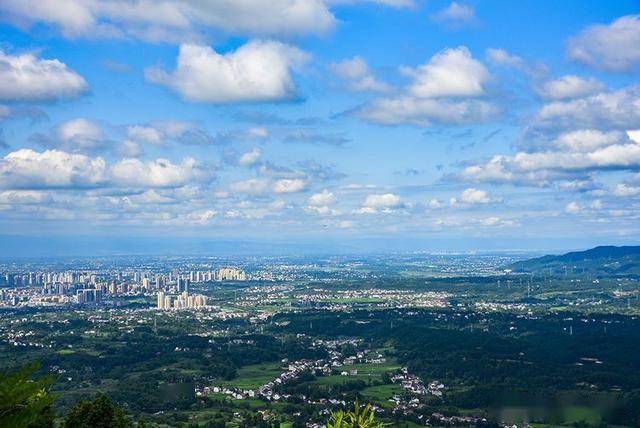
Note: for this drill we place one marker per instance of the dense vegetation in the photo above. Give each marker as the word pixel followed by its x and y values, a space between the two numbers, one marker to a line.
pixel 598 261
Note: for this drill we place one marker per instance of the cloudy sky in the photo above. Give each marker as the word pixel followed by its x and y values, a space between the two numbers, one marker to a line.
pixel 466 124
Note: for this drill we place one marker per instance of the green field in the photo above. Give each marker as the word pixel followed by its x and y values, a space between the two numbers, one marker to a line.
pixel 254 376
pixel 380 394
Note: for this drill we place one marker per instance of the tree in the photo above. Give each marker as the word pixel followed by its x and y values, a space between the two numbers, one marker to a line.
pixel 99 413
pixel 25 400
pixel 360 417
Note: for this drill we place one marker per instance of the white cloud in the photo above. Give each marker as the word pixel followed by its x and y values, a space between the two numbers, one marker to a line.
pixel 570 87
pixel 150 196
pixel 539 168
pixel 22 197
pixel 441 92
pixel 357 76
pixel 572 208
pixel 613 47
pixel 80 135
pixel 455 14
pixel 130 149
pixel 79 128
pixel 324 210
pixel 256 71
pixel 409 110
pixel 202 217
pixel 626 190
pixel 322 199
pixel 502 57
pixel 380 202
pixel 434 204
pixel 251 157
pixel 156 173
pixel 171 20
pixel 585 140
pixel 474 196
pixel 387 200
pixel 450 73
pixel 616 109
pixel 287 185
pixel 26 168
pixel 251 186
pixel 145 134
pixel 26 77
pixel 497 222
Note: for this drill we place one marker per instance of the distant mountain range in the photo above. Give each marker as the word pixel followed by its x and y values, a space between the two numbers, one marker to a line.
pixel 604 260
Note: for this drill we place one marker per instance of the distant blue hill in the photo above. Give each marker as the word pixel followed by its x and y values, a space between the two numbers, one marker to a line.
pixel 603 260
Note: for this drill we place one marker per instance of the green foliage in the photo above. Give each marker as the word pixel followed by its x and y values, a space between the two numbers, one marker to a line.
pixel 360 417
pixel 25 400
pixel 99 413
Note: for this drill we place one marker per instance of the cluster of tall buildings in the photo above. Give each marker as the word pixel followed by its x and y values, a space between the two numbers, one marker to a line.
pixel 180 301
pixel 230 274
pixel 88 287
pixel 41 278
pixel 89 295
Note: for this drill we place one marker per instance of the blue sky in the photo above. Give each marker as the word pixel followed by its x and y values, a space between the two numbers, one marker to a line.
pixel 425 124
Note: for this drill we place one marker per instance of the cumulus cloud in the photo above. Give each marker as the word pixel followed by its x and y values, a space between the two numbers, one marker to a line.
pixel 323 198
pixel 497 222
pixel 585 140
pixel 251 157
pixel 251 186
pixel 425 112
pixel 502 57
pixel 474 196
pixel 570 87
pixel 287 185
pixel 22 197
pixel 202 217
pixel 573 208
pixel 257 71
pixel 80 135
pixel 450 73
pixel 145 134
pixel 434 204
pixel 156 173
pixel 585 151
pixel 26 77
pixel 613 47
pixel 171 20
pixel 357 76
pixel 455 15
pixel 28 169
pixel 614 109
pixel 626 190
pixel 385 202
pixel 183 132
pixel 442 91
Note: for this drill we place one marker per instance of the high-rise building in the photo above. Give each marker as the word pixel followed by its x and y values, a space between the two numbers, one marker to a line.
pixel 230 274
pixel 161 299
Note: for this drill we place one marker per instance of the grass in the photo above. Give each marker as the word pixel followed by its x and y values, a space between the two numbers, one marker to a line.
pixel 254 376
pixel 381 393
pixel 573 414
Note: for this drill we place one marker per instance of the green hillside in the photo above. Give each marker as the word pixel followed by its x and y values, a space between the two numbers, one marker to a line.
pixel 603 261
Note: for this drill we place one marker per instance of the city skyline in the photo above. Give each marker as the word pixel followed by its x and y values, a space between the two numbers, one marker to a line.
pixel 309 125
